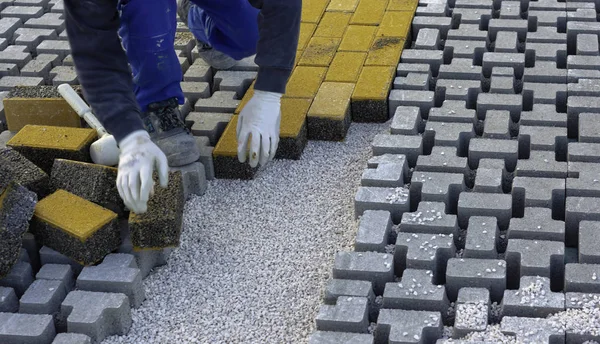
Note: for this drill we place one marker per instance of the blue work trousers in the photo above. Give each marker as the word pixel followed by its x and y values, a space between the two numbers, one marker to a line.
pixel 148 32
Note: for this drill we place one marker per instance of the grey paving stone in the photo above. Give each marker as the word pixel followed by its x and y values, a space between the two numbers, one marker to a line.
pixel 545 34
pixel 420 23
pixel 343 287
pixel 9 303
pixel 16 54
pixel 413 81
pixel 18 328
pixel 64 75
pixel 489 180
pixel 584 87
pixel 508 102
pixel 233 81
pixel 198 72
pixel 377 268
pixel 424 251
pixel 468 32
pixel 437 187
pixel 8 82
pixel 404 68
pixel 72 338
pixel 582 278
pixel 472 311
pixel 41 3
pixel 186 107
pixel 583 62
pixel 32 248
pixel 206 159
pixel 443 159
pixel 506 42
pixel 583 152
pixel 22 12
pixel 585 181
pixel 433 10
pixel 402 326
pixel 458 90
pixel 449 134
pixel 8 69
pixel 432 58
pixel 43 297
pixel 453 111
pixel 513 60
pixel 536 224
pixel 394 200
pixel 422 99
pixel 575 300
pixel 502 84
pixel 194 179
pixel 544 115
pixel 532 330
pixel 428 39
pixel 493 148
pixel 219 101
pixel 410 146
pixel 476 4
pixel 147 260
pixel 533 299
pixel 407 120
pixel 415 291
pixel 31 37
pixel 330 337
pixel 577 105
pixel 349 314
pixel 545 72
pixel 41 66
pixel 482 238
pixel 209 124
pixel 472 15
pixel 460 69
pixel 19 278
pixel 579 209
pixel 539 192
pixel 553 52
pixel 50 256
pixel 388 170
pixel 535 258
pixel 465 49
pixel 430 218
pixel 98 315
pixel 58 47
pixel 58 272
pixel 541 164
pixel 112 277
pixel 589 241
pixel 195 90
pixel 478 273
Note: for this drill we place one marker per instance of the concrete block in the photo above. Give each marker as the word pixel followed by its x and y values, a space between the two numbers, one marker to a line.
pixel 330 337
pixel 19 278
pixel 342 287
pixel 92 182
pixel 541 164
pixel 579 209
pixel 502 84
pixel 460 69
pixel 535 258
pixel 532 330
pixel 428 39
pixel 449 134
pixel 86 235
pixel 194 179
pixel 118 273
pixel 465 49
pixel 533 299
pixel 57 47
pixel 57 272
pixel 97 315
pixel 41 66
pixel 413 81
pixel 160 228
pixel 198 72
pixel 349 314
pixel 43 297
pixel 583 152
pixel 219 102
pixel 31 38
pixel 424 100
pixel 582 278
pixel 64 75
pixel 494 59
pixel 493 149
pixel 472 311
pixel 545 72
pixel 72 338
pixel 544 93
pixel 453 111
pixel 397 326
pixel 407 120
pixel 476 273
pixel 539 192
pixel 589 129
pixel 394 200
pixel 585 181
pixel 15 54
pixel 482 238
pixel 508 102
pixel 15 167
pixel 415 291
pixel 209 124
pixel 206 158
pixel 556 19
pixel 420 23
pixel 410 146
pixel 430 218
pixel 458 90
pixel 489 180
pixel 22 12
pixel 388 170
pixel 233 81
pixel 543 115
pixel 428 252
pixel 545 34
pixel 373 231
pixel 536 224
pixel 26 328
pixel 553 52
pixel 9 303
pixel 404 69
pixel 437 187
pixel 8 26
pixel 588 242
pixel 587 45
pixel 377 268
pixel 443 160
pixel 432 58
pixel 468 32
pixel 50 256
pixel 195 90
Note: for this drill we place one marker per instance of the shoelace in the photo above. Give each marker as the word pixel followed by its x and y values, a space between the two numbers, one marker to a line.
pixel 166 113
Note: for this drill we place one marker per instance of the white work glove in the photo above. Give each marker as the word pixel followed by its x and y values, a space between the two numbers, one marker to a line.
pixel 260 118
pixel 139 157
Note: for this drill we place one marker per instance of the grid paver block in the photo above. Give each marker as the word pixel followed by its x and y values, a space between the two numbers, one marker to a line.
pixel 9 303
pixel 378 268
pixel 373 231
pixel 26 328
pixel 484 204
pixel 482 238
pixel 430 218
pixel 424 251
pixel 209 124
pixel 18 278
pixel 408 145
pixel 415 291
pixel 532 330
pixel 72 338
pixel 535 258
pixel 437 187
pixel 349 314
pixel 479 273
pixel 472 311
pixel 388 170
pixel 536 224
pixel 533 299
pixel 398 326
pixel 407 120
pixel 58 272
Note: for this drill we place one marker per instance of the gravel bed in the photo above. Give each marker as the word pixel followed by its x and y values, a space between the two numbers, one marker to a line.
pixel 255 255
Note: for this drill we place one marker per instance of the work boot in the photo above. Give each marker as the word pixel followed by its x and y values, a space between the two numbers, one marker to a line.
pixel 168 131
pixel 211 56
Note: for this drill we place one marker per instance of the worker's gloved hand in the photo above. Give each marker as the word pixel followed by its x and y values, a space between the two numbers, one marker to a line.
pixel 139 157
pixel 260 119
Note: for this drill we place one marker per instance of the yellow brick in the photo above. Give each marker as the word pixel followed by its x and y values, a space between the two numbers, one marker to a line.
pixel 333 24
pixel 320 51
pixel 76 216
pixel 385 51
pixel 227 145
pixel 369 12
pixel 312 10
pixel 306 32
pixel 374 83
pixel 62 138
pixel 41 111
pixel 395 24
pixel 342 5
pixel 358 38
pixel 332 100
pixel 305 82
pixel 346 67
pixel 293 116
pixel 403 5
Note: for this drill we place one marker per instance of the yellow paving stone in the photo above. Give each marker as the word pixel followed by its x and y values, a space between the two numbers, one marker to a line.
pixel 403 5
pixel 329 115
pixel 395 24
pixel 306 32
pixel 369 12
pixel 369 100
pixel 385 51
pixel 227 145
pixel 342 5
pixel 298 56
pixel 346 66
pixel 293 116
pixel 312 10
pixel 358 38
pixel 305 82
pixel 333 24
pixel 320 51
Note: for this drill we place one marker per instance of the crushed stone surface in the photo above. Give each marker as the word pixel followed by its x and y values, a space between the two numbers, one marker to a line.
pixel 255 255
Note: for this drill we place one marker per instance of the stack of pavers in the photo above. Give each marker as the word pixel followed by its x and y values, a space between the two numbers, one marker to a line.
pixel 479 212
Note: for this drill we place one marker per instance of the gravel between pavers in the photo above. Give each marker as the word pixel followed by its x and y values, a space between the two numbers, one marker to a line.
pixel 255 255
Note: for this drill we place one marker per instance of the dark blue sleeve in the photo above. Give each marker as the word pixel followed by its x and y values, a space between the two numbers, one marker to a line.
pixel 279 29
pixel 101 64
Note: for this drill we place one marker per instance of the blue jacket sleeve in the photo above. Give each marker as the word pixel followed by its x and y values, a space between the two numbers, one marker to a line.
pixel 279 28
pixel 101 64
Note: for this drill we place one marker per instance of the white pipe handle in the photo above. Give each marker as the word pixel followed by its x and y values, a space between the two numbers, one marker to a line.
pixel 81 108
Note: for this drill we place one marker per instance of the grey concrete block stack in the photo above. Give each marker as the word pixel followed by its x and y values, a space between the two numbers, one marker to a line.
pixel 486 189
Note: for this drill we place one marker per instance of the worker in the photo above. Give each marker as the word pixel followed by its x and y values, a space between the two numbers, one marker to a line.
pixel 139 104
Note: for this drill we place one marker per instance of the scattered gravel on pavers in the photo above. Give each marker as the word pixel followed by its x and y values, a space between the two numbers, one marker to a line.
pixel 255 255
